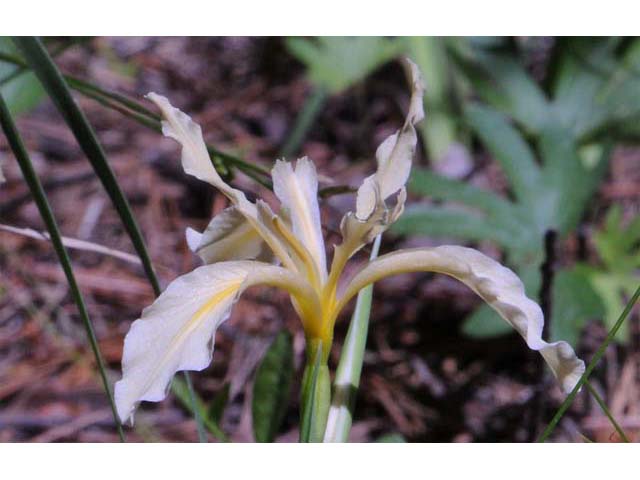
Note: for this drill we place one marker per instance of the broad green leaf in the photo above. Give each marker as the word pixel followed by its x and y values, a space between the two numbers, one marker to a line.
pixel 21 91
pixel 508 148
pixel 618 246
pixel 272 388
pixel 451 222
pixel 501 81
pixel 596 85
pixel 218 404
pixel 337 63
pixel 576 103
pixel 485 323
pixel 438 187
pixel 391 438
pixel 568 182
pixel 613 289
pixel 574 302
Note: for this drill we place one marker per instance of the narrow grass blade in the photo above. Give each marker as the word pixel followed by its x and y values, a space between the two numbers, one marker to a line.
pixel 139 113
pixel 190 400
pixel 592 365
pixel 303 121
pixel 197 415
pixel 46 213
pixel 45 69
pixel 606 411
pixel 347 381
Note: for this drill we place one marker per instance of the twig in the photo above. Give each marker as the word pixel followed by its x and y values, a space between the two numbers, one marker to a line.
pixel 73 243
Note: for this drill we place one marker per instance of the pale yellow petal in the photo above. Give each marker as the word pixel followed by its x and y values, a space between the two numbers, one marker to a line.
pixel 229 236
pixel 177 331
pixel 494 283
pixel 297 190
pixel 196 162
pixel 395 154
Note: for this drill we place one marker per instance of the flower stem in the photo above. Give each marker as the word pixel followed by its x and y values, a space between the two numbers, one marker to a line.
pixel 347 381
pixel 315 393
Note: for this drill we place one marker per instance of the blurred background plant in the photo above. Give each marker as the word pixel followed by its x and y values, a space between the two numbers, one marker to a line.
pixel 519 139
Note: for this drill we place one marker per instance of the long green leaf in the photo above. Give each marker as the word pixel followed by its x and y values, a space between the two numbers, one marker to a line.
pixel 347 381
pixel 592 365
pixel 51 78
pixel 272 388
pixel 46 213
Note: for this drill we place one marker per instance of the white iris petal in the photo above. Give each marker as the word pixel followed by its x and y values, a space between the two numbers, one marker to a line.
pixel 177 331
pixel 297 190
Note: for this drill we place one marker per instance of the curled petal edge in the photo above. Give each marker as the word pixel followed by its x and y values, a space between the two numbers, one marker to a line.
pixel 495 284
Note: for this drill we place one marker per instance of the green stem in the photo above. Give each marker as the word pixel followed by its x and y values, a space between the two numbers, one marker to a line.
pixel 347 381
pixel 40 197
pixel 592 365
pixel 315 393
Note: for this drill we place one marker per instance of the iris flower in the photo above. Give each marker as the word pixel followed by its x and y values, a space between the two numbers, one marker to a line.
pixel 249 244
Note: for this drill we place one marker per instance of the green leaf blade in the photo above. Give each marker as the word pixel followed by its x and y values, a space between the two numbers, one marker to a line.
pixel 508 148
pixel 272 388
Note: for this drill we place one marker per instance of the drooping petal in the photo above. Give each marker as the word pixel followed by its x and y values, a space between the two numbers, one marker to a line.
pixel 196 162
pixel 297 190
pixel 494 283
pixel 394 155
pixel 228 237
pixel 177 331
pixel 195 157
